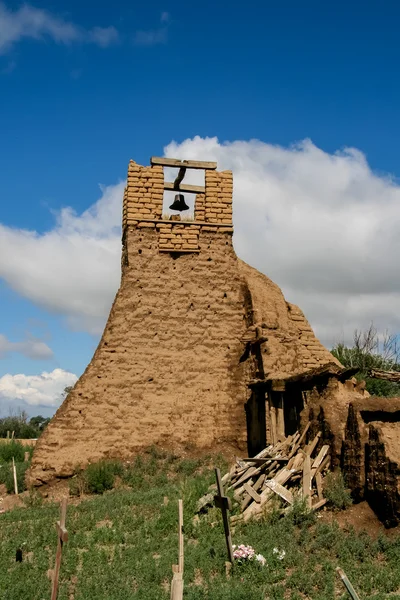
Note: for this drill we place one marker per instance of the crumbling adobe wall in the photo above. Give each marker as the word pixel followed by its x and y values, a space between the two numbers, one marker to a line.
pixel 290 345
pixel 327 409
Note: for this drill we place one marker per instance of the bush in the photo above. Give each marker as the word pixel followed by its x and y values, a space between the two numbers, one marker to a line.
pixel 336 492
pixel 8 476
pixel 97 479
pixel 14 449
pixel 299 512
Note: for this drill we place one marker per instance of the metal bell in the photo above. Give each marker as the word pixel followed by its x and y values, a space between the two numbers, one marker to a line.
pixel 179 203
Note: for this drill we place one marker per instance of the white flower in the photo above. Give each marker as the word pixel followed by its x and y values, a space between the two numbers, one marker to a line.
pixel 280 553
pixel 261 559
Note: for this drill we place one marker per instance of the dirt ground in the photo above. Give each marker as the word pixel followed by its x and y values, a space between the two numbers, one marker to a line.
pixel 362 518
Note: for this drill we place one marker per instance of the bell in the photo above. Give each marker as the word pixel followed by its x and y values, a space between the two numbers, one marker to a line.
pixel 179 203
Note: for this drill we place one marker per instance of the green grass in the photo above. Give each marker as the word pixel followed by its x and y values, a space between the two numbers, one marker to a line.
pixel 123 543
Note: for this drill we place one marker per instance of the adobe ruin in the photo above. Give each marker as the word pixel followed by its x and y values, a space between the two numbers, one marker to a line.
pixel 200 350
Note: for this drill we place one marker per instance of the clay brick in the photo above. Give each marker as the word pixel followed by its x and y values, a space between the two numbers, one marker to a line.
pixel 148 225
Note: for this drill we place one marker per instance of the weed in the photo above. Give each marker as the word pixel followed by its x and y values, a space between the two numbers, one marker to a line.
pixel 100 477
pixel 300 514
pixel 336 492
pixel 8 477
pixel 13 449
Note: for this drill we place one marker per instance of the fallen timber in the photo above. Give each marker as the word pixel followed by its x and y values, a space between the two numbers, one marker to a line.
pixel 290 469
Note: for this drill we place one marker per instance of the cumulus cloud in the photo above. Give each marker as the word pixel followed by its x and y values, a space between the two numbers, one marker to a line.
pixel 37 390
pixel 152 37
pixel 31 348
pixel 38 24
pixel 323 226
pixel 73 269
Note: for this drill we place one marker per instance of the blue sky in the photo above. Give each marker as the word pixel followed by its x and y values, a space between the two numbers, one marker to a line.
pixel 84 88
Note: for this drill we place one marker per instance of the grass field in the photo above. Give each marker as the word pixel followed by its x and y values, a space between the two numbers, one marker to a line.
pixel 123 543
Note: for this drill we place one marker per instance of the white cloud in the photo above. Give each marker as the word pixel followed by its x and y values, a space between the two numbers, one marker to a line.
pixel 323 226
pixel 31 348
pixel 152 37
pixel 37 390
pixel 73 269
pixel 38 24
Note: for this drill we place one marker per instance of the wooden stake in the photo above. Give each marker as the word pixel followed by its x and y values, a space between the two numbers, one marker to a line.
pixel 223 503
pixel 177 580
pixel 180 510
pixel 347 583
pixel 62 538
pixel 15 477
pixel 307 479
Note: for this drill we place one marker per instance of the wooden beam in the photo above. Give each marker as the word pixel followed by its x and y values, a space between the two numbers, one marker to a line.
pixel 252 492
pixel 280 490
pixel 307 479
pixel 189 164
pixel 385 375
pixel 190 189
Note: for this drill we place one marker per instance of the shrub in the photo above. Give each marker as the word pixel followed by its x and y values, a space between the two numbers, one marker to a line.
pixel 13 449
pixel 299 512
pixel 98 477
pixel 336 492
pixel 8 478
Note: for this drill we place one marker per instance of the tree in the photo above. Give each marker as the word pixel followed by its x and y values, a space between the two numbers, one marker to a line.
pixel 370 351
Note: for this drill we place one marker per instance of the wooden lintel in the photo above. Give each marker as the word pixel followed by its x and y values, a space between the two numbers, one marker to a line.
pixel 190 189
pixel 177 251
pixel 187 223
pixel 189 164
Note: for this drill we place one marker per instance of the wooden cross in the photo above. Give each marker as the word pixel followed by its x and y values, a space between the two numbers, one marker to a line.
pixel 62 534
pixel 177 580
pixel 224 504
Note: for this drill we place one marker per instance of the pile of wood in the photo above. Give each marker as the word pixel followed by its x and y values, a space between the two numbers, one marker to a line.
pixel 289 468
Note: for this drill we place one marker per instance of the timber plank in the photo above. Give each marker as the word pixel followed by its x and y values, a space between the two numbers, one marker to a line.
pixel 189 164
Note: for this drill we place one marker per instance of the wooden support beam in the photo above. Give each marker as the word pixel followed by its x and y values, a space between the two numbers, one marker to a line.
pixel 190 189
pixel 189 164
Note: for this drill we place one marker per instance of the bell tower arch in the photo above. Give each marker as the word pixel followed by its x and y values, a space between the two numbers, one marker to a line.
pixel 143 203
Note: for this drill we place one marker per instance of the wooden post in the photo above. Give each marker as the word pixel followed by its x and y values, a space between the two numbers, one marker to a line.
pixel 280 420
pixel 222 502
pixel 12 435
pixel 307 479
pixel 15 477
pixel 26 457
pixel 62 534
pixel 347 583
pixel 177 580
pixel 8 435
